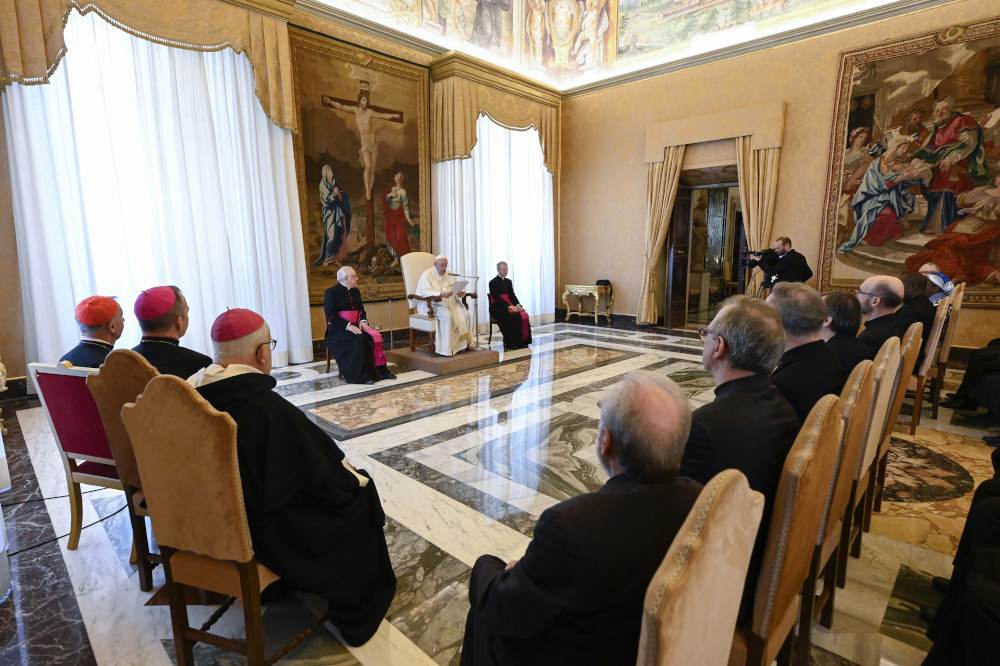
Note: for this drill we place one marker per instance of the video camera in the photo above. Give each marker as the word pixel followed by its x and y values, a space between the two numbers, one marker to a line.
pixel 750 258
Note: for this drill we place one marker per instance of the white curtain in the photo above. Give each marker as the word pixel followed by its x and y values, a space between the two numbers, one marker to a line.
pixel 497 206
pixel 141 165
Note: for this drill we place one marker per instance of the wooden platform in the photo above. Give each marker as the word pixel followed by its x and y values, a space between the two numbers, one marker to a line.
pixel 421 359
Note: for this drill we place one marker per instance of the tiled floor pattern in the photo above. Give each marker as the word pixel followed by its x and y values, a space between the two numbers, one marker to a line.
pixel 465 465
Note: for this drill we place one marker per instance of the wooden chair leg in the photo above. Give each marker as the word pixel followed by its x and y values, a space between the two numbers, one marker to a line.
pixel 845 538
pixel 830 583
pixel 328 359
pixel 918 402
pixel 806 610
pixel 883 464
pixel 133 557
pixel 784 657
pixel 489 342
pixel 183 645
pixel 869 503
pixel 413 340
pixel 936 389
pixel 75 515
pixel 250 585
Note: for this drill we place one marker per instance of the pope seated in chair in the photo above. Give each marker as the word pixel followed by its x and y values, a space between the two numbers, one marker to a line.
pixel 452 317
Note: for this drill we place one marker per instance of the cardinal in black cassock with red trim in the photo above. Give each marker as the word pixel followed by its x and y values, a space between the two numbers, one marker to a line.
pixel 315 520
pixel 507 310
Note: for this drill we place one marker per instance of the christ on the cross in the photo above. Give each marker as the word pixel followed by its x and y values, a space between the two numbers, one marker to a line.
pixel 363 114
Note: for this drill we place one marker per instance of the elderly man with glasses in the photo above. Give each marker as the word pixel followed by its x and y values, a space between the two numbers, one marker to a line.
pixel 749 426
pixel 880 296
pixel 315 520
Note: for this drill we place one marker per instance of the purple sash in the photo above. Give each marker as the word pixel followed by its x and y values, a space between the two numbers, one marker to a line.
pixel 525 325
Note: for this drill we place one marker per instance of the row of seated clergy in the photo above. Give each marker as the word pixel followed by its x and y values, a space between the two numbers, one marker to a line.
pixel 881 297
pixel 162 313
pixel 315 521
pixel 355 345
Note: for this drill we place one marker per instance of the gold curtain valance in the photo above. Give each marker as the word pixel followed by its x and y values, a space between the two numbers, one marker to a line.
pixel 31 39
pixel 457 102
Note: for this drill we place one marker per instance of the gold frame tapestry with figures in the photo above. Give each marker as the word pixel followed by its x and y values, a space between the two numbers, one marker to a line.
pixel 914 168
pixel 362 156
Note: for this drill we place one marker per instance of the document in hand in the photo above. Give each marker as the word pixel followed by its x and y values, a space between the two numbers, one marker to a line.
pixel 459 285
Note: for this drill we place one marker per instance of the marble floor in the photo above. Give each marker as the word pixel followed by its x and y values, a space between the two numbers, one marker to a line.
pixel 465 464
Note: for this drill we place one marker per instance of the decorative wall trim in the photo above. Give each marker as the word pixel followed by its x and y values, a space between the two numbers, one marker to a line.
pixel 279 8
pixel 455 63
pixel 369 27
pixel 769 42
pixel 765 122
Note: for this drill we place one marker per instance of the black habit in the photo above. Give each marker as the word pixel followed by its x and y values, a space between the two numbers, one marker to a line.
pixel 806 374
pixel 750 427
pixel 576 596
pixel 311 521
pixel 510 323
pixel 792 267
pixel 878 330
pixel 847 349
pixel 169 358
pixel 88 354
pixel 352 351
pixel 917 308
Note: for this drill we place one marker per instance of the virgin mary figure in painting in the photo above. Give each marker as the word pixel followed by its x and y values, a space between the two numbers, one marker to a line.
pixel 964 251
pixel 396 207
pixel 883 198
pixel 336 219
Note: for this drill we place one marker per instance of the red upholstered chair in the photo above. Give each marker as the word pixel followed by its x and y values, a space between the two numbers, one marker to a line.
pixel 79 433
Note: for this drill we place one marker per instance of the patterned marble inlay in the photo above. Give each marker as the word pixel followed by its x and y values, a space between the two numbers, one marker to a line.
pixel 371 410
pixel 919 474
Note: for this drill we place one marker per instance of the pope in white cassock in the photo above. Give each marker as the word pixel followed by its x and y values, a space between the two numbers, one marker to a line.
pixel 452 317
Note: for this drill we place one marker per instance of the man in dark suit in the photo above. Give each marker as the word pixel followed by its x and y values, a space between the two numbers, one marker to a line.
pixel 101 323
pixel 507 310
pixel 879 297
pixel 576 596
pixel 840 330
pixel 808 370
pixel 749 426
pixel 916 307
pixel 783 264
pixel 163 317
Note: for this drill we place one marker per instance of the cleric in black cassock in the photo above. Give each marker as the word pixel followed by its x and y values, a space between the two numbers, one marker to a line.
pixel 507 310
pixel 356 346
pixel 163 317
pixel 314 520
pixel 101 323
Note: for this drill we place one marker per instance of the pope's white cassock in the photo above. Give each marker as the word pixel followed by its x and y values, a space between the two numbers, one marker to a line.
pixel 452 317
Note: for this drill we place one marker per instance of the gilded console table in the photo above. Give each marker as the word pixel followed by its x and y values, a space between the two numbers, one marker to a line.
pixel 582 291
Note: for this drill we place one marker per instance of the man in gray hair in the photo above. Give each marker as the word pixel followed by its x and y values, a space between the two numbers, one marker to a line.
pixel 808 369
pixel 576 596
pixel 749 426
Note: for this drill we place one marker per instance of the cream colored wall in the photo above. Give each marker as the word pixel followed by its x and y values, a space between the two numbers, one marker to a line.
pixel 604 177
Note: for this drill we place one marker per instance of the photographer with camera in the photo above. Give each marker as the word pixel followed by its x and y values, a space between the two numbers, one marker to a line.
pixel 780 263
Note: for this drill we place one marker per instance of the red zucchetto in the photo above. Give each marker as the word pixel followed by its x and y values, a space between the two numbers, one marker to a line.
pixel 234 324
pixel 155 302
pixel 96 310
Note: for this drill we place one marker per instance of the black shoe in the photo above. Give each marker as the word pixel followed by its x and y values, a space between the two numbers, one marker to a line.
pixel 981 420
pixel 927 613
pixel 941 583
pixel 370 381
pixel 958 402
pixel 992 440
pixel 389 375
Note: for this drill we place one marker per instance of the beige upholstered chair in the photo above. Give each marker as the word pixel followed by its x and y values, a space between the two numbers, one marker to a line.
pixel 928 367
pixel 855 407
pixel 909 349
pixel 413 265
pixel 791 540
pixel 121 378
pixel 79 434
pixel 883 377
pixel 186 454
pixel 695 593
pixel 947 337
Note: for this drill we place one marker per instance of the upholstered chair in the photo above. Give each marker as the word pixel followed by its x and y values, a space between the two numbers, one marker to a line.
pixel 884 369
pixel 413 266
pixel 120 379
pixel 928 370
pixel 695 593
pixel 79 434
pixel 855 408
pixel 791 541
pixel 186 454
pixel 937 371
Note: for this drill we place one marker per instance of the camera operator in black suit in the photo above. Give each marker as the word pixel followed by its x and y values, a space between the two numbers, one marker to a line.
pixel 781 263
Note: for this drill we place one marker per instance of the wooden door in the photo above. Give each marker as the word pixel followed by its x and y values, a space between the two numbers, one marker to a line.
pixel 677 257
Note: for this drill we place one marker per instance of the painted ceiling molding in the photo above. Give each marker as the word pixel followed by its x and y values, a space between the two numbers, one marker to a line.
pixel 765 122
pixel 279 8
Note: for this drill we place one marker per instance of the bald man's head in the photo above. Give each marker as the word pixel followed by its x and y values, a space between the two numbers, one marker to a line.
pixel 880 295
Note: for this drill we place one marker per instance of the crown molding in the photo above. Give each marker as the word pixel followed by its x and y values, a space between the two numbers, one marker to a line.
pixel 279 8
pixel 368 27
pixel 456 63
pixel 769 42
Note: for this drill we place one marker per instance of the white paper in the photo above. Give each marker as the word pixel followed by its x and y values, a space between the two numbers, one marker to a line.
pixel 460 285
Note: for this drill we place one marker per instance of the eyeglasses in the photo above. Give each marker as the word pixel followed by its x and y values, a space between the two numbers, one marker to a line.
pixel 703 333
pixel 272 344
pixel 867 293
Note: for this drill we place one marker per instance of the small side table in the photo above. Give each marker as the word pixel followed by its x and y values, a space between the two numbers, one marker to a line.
pixel 582 291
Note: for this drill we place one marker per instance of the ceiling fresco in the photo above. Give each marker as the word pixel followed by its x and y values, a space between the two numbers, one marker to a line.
pixel 568 43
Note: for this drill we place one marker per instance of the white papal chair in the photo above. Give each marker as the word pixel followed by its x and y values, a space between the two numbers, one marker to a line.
pixel 414 264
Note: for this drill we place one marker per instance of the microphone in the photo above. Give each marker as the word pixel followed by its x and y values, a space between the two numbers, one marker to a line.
pixel 453 274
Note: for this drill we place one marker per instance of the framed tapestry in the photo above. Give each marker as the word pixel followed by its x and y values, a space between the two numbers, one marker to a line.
pixel 362 156
pixel 914 168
